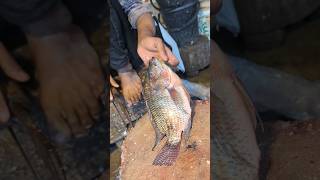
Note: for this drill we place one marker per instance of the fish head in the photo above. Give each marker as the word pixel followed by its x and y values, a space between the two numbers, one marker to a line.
pixel 159 73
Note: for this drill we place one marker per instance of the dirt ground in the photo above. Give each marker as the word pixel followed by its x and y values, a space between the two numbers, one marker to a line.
pixel 294 153
pixel 193 162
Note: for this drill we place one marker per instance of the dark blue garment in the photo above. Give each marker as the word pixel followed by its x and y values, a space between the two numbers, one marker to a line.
pixel 123 39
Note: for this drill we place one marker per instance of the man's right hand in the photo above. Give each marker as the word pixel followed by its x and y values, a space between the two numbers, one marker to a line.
pixel 10 68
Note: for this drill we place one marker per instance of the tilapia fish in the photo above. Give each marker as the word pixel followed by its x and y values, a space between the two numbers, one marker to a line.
pixel 168 104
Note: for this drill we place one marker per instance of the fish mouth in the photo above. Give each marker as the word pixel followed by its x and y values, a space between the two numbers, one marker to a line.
pixel 153 62
pixel 158 62
pixel 155 69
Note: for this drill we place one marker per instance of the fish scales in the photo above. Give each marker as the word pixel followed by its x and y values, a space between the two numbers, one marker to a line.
pixel 168 104
pixel 166 114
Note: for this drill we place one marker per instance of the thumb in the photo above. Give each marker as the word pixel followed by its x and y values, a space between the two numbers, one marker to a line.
pixel 113 82
pixel 161 50
pixel 172 59
pixel 10 66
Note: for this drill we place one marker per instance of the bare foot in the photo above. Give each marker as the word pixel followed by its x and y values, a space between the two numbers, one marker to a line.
pixel 70 79
pixel 131 86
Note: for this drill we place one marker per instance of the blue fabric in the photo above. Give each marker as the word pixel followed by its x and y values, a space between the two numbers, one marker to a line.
pixel 175 50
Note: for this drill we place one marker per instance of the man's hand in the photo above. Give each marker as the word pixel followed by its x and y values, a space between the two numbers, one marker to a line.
pixel 113 83
pixel 150 46
pixel 9 66
pixel 70 79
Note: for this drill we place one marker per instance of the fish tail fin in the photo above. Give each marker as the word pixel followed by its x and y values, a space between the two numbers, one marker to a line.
pixel 168 155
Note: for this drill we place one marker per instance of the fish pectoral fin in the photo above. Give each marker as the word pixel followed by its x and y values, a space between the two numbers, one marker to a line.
pixel 167 155
pixel 159 137
pixel 192 106
pixel 158 134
